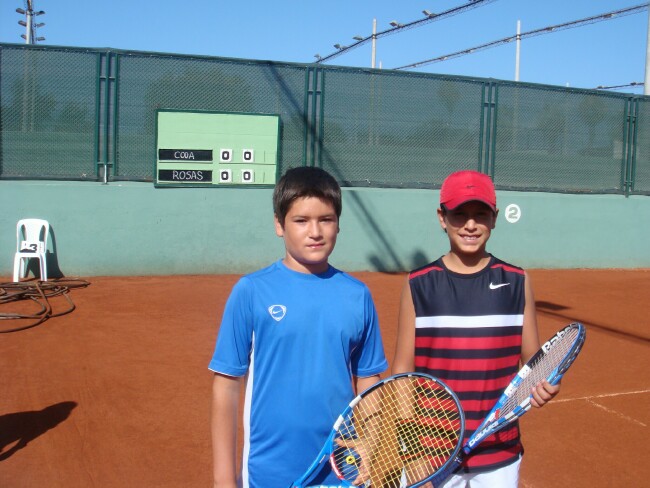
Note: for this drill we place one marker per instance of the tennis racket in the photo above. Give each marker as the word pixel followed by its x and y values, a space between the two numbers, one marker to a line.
pixel 550 363
pixel 395 434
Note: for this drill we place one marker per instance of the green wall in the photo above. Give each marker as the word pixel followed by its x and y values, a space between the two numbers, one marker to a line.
pixel 135 229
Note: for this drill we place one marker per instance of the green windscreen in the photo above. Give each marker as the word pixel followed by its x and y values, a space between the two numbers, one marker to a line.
pixel 215 149
pixel 71 113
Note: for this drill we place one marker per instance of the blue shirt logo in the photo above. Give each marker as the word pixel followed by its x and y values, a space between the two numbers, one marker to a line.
pixel 277 312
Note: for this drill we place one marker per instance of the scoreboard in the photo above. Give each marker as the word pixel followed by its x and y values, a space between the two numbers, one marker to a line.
pixel 199 148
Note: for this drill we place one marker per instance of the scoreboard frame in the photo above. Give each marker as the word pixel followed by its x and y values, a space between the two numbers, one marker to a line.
pixel 201 148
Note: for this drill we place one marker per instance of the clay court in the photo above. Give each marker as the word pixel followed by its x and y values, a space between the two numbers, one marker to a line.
pixel 117 392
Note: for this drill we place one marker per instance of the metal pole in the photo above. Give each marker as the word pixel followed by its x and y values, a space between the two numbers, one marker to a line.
pixel 646 80
pixel 374 42
pixel 518 50
pixel 28 30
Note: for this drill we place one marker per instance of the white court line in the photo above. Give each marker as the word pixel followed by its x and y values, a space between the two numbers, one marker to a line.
pixel 607 395
pixel 590 399
pixel 618 414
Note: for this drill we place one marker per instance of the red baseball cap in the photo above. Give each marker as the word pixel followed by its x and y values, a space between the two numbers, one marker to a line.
pixel 467 186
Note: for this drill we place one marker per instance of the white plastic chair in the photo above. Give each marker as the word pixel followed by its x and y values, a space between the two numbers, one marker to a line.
pixel 31 243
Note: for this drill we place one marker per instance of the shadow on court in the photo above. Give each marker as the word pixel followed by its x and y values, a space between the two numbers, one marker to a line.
pixel 18 429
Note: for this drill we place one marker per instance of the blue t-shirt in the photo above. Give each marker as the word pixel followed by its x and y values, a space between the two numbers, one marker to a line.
pixel 300 337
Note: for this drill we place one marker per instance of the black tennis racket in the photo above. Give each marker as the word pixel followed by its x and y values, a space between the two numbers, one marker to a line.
pixel 397 433
pixel 550 363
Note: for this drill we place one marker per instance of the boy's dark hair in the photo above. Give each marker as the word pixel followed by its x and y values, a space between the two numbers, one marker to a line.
pixel 305 182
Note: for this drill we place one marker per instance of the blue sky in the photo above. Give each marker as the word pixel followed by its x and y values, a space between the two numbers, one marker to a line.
pixel 602 54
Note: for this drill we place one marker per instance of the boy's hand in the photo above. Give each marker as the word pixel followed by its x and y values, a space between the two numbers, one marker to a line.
pixel 542 393
pixel 360 447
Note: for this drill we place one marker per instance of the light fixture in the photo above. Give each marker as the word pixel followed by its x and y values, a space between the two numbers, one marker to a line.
pixel 394 23
pixel 427 13
pixel 358 38
pixel 29 23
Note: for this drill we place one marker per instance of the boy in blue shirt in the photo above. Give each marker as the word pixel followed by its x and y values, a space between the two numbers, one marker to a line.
pixel 296 334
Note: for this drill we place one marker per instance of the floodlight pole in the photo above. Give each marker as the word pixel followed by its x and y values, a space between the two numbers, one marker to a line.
pixel 518 51
pixel 28 29
pixel 30 26
pixel 374 43
pixel 646 80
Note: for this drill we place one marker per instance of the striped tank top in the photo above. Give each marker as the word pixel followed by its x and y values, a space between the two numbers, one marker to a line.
pixel 468 333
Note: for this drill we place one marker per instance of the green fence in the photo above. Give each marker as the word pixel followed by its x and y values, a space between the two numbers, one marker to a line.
pixel 89 114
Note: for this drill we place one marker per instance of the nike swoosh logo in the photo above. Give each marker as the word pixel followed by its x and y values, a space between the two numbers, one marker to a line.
pixel 277 312
pixel 494 287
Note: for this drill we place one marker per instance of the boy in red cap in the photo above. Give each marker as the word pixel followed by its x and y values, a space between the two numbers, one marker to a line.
pixel 469 319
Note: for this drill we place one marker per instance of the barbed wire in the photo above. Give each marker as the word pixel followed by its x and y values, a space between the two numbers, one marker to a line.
pixel 430 17
pixel 614 87
pixel 537 32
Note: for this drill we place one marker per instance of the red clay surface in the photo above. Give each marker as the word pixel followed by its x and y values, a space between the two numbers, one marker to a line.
pixel 117 393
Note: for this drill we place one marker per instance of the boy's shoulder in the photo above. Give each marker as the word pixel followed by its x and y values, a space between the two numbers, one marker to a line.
pixel 439 266
pixel 248 281
pixel 278 271
pixel 434 266
pixel 347 278
pixel 507 267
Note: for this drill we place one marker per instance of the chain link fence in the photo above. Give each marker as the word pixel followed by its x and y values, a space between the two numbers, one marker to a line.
pixel 84 114
pixel 48 105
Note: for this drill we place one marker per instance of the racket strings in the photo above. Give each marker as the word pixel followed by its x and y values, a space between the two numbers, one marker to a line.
pixel 542 368
pixel 402 432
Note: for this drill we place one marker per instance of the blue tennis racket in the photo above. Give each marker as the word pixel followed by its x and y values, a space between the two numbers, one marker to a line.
pixel 397 433
pixel 550 363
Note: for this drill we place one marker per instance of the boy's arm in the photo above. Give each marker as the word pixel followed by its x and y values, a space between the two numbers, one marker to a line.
pixel 366 382
pixel 404 361
pixel 530 337
pixel 543 392
pixel 225 409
